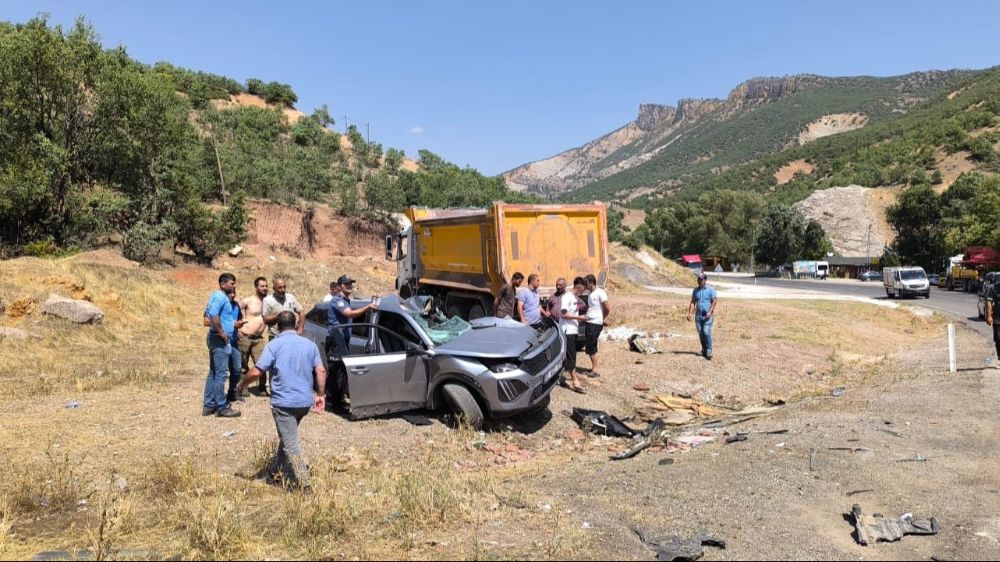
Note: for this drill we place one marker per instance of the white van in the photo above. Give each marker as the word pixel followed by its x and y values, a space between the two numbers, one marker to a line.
pixel 822 269
pixel 906 282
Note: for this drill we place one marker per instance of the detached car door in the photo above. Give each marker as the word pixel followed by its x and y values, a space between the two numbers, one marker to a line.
pixel 391 376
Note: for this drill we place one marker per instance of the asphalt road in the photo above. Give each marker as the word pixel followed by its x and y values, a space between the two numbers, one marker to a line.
pixel 954 304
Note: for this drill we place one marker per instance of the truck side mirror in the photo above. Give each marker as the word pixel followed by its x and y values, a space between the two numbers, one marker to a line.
pixel 388 248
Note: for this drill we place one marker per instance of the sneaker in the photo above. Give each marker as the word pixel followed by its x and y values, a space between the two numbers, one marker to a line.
pixel 708 356
pixel 228 413
pixel 208 411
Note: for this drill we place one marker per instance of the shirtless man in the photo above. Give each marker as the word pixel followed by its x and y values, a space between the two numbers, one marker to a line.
pixel 252 332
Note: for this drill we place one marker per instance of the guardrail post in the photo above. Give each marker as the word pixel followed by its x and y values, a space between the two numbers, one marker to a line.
pixel 952 366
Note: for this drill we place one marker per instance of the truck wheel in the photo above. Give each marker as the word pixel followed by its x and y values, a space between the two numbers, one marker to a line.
pixel 456 310
pixel 888 293
pixel 477 311
pixel 464 405
pixel 951 284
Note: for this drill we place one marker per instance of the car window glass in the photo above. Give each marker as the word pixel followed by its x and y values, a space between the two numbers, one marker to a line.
pixel 317 315
pixel 362 331
pixel 390 342
pixel 398 324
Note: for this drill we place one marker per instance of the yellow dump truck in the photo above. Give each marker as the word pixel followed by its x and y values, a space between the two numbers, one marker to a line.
pixel 461 257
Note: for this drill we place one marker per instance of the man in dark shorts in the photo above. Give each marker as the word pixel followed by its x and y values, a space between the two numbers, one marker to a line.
pixel 597 314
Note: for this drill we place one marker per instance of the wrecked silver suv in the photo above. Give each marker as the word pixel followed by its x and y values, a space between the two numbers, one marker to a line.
pixel 408 356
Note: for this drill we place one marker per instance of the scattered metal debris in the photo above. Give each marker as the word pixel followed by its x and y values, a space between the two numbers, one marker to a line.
pixel 850 449
pixel 856 492
pixel 737 438
pixel 678 548
pixel 871 529
pixel 916 458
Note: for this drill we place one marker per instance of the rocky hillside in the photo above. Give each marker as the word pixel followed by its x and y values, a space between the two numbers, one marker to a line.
pixel 849 214
pixel 664 145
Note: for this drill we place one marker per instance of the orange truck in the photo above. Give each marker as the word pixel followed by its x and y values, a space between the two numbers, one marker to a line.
pixel 461 257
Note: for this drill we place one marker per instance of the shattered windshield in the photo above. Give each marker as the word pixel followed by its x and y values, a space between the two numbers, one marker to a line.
pixel 440 328
pixel 433 322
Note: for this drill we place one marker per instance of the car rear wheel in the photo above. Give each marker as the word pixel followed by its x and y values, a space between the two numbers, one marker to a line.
pixel 888 293
pixel 464 405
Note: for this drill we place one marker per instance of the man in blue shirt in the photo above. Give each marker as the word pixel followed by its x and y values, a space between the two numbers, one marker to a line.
pixel 703 301
pixel 224 357
pixel 297 382
pixel 529 304
pixel 340 315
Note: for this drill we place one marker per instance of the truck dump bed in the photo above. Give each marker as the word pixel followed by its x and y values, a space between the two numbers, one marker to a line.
pixel 478 250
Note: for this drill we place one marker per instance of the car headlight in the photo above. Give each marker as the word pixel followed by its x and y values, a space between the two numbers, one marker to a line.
pixel 503 367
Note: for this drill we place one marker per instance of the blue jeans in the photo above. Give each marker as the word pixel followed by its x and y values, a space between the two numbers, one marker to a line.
pixel 704 326
pixel 224 362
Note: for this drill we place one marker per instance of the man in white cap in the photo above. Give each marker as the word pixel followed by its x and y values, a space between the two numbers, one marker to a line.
pixel 703 301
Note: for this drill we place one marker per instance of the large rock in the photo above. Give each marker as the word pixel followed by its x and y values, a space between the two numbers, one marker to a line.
pixel 79 311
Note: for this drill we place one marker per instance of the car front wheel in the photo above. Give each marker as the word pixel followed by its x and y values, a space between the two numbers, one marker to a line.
pixel 464 405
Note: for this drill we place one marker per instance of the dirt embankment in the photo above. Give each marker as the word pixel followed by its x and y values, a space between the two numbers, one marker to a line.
pixel 314 231
pixel 787 172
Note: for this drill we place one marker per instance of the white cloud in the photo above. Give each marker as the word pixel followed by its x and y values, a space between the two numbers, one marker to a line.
pixel 416 130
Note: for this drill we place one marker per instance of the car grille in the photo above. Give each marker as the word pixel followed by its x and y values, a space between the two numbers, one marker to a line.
pixel 542 358
pixel 543 388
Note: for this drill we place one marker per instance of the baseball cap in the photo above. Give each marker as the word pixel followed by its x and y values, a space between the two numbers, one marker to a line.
pixel 345 280
pixel 702 276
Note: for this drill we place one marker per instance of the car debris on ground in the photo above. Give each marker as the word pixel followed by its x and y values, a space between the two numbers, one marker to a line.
pixel 641 344
pixel 679 548
pixel 871 529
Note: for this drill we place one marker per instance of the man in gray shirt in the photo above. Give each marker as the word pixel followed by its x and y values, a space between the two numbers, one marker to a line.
pixel 293 361
pixel 280 300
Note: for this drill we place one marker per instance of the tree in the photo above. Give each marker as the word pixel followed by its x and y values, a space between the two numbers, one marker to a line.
pixel 781 236
pixel 915 218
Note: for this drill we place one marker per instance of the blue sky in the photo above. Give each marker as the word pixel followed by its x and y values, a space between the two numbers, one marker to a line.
pixel 496 85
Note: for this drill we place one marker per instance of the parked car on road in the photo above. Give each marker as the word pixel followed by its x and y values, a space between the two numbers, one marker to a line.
pixel 407 355
pixel 870 275
pixel 934 279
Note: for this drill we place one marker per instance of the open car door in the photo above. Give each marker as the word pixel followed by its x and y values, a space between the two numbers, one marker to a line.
pixel 391 376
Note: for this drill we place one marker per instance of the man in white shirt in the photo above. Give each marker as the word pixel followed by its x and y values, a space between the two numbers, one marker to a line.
pixel 334 291
pixel 277 302
pixel 597 314
pixel 569 320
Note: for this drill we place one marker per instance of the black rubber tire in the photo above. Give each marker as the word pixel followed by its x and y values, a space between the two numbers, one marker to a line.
pixel 888 294
pixel 464 405
pixel 477 311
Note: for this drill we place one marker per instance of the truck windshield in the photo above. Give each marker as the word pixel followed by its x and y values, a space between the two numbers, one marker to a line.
pixel 912 275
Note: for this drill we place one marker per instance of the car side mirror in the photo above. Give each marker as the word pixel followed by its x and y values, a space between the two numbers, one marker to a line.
pixel 414 350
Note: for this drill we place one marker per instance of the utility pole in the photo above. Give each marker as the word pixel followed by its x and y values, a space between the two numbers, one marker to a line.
pixel 869 244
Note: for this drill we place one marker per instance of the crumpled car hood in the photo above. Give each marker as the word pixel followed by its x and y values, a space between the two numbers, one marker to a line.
pixel 492 337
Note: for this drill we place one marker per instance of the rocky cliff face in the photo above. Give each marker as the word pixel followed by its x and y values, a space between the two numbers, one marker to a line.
pixel 637 141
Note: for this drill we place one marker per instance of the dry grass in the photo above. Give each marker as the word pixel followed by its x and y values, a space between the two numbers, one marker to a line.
pixel 361 508
pixel 382 490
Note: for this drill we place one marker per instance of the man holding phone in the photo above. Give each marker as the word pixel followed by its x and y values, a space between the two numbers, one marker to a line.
pixel 339 317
